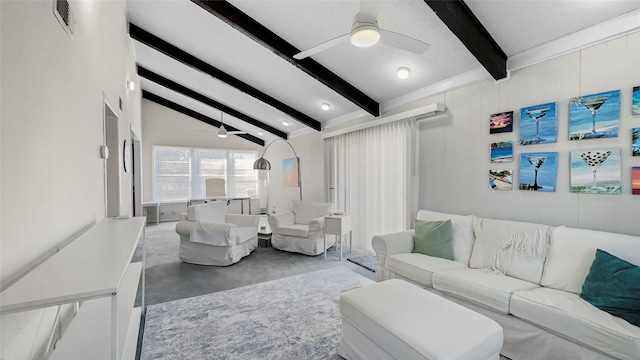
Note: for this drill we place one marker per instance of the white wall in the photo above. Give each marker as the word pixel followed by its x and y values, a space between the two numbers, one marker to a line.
pixel 52 92
pixel 310 149
pixel 454 150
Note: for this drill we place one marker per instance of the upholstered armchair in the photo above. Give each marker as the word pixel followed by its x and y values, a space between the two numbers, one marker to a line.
pixel 301 230
pixel 210 236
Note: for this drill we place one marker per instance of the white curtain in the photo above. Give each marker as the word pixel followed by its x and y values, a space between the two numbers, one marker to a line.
pixel 376 168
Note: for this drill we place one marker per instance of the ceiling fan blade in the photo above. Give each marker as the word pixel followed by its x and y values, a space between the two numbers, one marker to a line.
pixel 321 47
pixel 403 42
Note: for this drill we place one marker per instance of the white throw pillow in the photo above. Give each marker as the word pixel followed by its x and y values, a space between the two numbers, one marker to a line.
pixel 215 212
pixel 462 236
pixel 490 248
pixel 306 211
pixel 573 250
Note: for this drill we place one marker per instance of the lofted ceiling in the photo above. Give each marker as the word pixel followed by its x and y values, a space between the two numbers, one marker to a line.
pixel 208 58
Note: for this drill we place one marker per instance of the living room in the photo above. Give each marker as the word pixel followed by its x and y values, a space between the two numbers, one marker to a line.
pixel 54 92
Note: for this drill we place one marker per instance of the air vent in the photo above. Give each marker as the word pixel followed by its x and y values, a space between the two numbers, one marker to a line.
pixel 64 14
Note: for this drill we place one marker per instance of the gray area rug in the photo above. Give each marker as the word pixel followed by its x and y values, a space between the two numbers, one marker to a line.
pixel 369 261
pixel 291 318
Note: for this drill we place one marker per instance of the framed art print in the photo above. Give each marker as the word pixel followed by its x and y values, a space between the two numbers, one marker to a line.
pixel 501 123
pixel 502 152
pixel 596 171
pixel 594 116
pixel 501 179
pixel 538 171
pixel 290 172
pixel 635 101
pixel 539 124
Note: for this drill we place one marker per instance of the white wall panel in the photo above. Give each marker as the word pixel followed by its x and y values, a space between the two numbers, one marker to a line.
pixel 454 150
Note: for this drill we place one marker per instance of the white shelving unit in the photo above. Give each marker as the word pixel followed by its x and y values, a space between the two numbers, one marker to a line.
pixel 95 270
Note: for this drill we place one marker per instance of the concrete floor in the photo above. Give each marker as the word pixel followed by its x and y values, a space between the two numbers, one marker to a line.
pixel 168 278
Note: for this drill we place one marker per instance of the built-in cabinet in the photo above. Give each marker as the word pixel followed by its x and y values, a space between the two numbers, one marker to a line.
pixel 96 272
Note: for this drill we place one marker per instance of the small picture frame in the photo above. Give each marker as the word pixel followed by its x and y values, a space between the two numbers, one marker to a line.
pixel 501 179
pixel 502 152
pixel 501 122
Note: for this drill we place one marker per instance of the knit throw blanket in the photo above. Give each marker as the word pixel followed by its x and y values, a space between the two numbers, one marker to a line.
pixel 528 244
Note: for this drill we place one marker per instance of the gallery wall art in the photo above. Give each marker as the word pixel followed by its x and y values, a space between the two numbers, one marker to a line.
pixel 596 171
pixel 635 180
pixel 635 101
pixel 290 172
pixel 502 152
pixel 501 179
pixel 635 141
pixel 539 124
pixel 594 116
pixel 501 122
pixel 538 171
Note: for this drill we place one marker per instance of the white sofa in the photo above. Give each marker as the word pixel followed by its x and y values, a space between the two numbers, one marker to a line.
pixel 536 297
pixel 210 236
pixel 301 230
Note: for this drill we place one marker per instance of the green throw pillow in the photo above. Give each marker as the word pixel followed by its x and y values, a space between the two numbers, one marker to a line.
pixel 613 285
pixel 433 238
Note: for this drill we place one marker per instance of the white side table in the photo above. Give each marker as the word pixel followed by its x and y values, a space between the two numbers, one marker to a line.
pixel 337 225
pixel 151 204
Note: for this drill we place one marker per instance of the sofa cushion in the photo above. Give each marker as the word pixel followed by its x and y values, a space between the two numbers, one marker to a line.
pixel 214 212
pixel 566 313
pixel 306 211
pixel 613 285
pixel 573 250
pixel 418 267
pixel 515 248
pixel 462 236
pixel 296 230
pixel 477 286
pixel 433 238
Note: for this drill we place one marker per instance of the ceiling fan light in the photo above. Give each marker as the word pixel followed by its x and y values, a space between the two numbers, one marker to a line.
pixel 365 35
pixel 222 132
pixel 403 72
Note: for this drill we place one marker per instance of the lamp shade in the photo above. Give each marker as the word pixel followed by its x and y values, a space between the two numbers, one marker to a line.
pixel 262 164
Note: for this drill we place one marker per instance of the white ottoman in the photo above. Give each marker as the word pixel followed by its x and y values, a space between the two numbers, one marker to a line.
pixel 397 320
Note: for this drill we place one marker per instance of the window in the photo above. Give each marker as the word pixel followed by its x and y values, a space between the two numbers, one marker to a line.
pixel 180 173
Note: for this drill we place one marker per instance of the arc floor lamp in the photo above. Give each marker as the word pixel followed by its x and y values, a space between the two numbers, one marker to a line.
pixel 263 164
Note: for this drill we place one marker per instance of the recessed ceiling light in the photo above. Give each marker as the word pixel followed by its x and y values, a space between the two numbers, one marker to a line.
pixel 260 133
pixel 403 73
pixel 325 106
pixel 131 85
pixel 285 123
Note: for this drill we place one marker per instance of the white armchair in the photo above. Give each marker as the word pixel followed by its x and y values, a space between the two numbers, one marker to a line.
pixel 210 236
pixel 301 230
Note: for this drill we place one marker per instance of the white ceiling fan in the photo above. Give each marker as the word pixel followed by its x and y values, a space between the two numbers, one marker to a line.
pixel 222 132
pixel 365 32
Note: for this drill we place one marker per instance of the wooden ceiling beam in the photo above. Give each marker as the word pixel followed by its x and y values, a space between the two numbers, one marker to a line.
pixel 170 84
pixel 196 115
pixel 267 38
pixel 464 24
pixel 184 57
